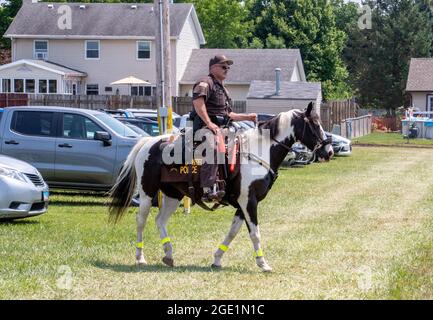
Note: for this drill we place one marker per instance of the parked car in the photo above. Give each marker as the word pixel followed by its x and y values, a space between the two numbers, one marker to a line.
pixel 118 113
pixel 23 191
pixel 140 132
pixel 151 114
pixel 341 146
pixel 264 116
pixel 71 148
pixel 149 126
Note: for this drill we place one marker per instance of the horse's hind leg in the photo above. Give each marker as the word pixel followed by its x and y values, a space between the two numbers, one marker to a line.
pixel 141 218
pixel 224 246
pixel 169 205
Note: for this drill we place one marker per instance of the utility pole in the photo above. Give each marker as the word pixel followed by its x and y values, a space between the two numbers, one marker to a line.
pixel 163 65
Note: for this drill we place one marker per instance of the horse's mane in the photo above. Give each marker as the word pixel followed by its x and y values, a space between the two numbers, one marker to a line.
pixel 271 125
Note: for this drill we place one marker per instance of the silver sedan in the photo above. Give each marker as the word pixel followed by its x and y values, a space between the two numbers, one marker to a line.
pixel 23 191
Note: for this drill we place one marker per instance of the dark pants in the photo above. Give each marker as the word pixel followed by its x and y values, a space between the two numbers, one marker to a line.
pixel 208 173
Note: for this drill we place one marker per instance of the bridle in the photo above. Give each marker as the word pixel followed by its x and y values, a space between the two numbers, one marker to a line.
pixel 321 142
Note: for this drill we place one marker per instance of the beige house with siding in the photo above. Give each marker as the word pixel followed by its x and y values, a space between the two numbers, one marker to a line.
pixel 106 42
pixel 420 83
pixel 268 97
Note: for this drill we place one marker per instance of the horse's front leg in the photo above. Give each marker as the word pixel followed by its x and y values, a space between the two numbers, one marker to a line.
pixel 141 218
pixel 169 205
pixel 224 246
pixel 249 207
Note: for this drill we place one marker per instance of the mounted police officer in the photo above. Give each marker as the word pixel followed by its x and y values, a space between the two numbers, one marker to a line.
pixel 212 109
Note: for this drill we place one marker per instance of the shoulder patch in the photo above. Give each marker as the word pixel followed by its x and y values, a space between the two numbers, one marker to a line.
pixel 203 84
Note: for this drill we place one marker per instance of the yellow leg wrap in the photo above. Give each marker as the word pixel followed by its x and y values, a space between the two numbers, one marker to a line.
pixel 165 240
pixel 140 245
pixel 258 253
pixel 223 247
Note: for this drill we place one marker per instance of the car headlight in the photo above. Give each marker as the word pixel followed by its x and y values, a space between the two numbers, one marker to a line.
pixel 11 173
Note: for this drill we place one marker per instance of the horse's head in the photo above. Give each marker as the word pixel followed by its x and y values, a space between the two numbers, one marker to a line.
pixel 309 131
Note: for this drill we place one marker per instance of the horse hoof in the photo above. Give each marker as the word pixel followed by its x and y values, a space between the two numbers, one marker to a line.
pixel 168 261
pixel 266 268
pixel 141 261
pixel 215 266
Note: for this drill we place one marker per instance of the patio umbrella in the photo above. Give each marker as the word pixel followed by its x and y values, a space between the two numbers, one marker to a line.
pixel 131 80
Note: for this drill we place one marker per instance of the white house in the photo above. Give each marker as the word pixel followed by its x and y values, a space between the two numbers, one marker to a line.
pixel 106 42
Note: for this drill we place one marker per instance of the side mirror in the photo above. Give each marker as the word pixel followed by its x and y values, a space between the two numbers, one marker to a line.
pixel 104 137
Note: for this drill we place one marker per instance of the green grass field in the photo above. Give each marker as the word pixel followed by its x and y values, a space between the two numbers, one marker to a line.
pixel 391 138
pixel 358 227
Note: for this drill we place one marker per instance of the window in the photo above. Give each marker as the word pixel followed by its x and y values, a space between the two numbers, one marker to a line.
pixel 19 85
pixel 92 89
pixel 40 50
pixel 30 85
pixel 52 86
pixel 6 85
pixel 108 89
pixel 67 86
pixel 33 123
pixel 116 125
pixel 143 50
pixel 92 49
pixel 142 91
pixel 76 126
pixel 43 86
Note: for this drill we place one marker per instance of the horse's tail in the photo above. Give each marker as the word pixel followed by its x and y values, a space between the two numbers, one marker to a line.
pixel 123 190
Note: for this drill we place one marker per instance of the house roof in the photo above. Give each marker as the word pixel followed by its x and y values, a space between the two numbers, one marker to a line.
pixel 46 65
pixel 420 75
pixel 288 90
pixel 249 64
pixel 98 20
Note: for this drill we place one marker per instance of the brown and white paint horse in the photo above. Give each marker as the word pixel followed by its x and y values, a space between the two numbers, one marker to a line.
pixel 250 185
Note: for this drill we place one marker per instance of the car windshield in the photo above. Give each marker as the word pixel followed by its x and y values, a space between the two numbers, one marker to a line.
pixel 116 125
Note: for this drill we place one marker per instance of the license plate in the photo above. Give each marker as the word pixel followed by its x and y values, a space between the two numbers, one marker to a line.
pixel 45 196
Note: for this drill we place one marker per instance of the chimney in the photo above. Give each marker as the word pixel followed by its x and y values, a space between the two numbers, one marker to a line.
pixel 277 81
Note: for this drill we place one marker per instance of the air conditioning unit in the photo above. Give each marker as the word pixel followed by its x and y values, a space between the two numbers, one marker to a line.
pixel 41 56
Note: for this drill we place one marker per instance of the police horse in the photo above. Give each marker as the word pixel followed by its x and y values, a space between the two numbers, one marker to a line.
pixel 244 190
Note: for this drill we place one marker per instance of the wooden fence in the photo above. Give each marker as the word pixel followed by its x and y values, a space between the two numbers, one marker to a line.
pixel 181 105
pixel 334 112
pixel 13 99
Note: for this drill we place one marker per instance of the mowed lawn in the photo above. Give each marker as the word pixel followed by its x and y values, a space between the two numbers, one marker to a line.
pixel 358 227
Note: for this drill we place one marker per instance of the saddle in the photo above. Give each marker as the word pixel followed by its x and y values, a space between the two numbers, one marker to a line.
pixel 186 170
pixel 189 171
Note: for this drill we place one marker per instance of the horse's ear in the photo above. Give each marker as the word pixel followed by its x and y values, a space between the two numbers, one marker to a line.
pixel 309 110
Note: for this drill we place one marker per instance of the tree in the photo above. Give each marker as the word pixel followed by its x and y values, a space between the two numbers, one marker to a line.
pixel 378 59
pixel 7 14
pixel 309 25
pixel 224 22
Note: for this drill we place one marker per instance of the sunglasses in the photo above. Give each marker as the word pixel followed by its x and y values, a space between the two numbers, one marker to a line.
pixel 225 67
